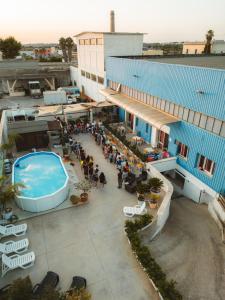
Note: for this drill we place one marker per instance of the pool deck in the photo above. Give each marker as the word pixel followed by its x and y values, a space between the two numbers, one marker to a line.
pixel 89 241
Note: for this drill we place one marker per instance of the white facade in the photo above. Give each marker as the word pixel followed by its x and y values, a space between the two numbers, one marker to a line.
pixel 218 47
pixel 193 47
pixel 93 48
pixel 1 56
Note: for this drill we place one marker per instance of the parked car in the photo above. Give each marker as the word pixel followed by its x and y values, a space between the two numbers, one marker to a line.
pixel 50 280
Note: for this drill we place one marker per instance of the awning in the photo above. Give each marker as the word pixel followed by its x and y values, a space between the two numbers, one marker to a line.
pixel 53 110
pixel 75 108
pixel 143 111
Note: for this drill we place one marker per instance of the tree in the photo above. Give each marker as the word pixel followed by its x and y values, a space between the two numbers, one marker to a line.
pixel 62 44
pixel 69 46
pixel 209 36
pixel 10 47
pixel 8 192
pixel 7 147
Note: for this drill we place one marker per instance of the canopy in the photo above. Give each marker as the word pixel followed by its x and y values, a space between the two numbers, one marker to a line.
pixel 143 111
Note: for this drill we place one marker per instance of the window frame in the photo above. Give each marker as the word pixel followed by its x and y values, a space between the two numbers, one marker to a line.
pixel 203 167
pixel 182 149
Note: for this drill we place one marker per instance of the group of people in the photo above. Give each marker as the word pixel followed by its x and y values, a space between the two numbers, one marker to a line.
pixel 91 171
pixel 112 154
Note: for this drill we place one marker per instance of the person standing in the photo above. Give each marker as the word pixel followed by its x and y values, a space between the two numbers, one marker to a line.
pixel 120 179
pixel 102 179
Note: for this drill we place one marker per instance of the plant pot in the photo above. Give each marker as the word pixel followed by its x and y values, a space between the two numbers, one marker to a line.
pixel 153 205
pixel 7 214
pixel 84 197
pixel 74 199
pixel 155 193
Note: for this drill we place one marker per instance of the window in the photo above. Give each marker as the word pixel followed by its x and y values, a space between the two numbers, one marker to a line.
pixel 99 41
pixel 136 121
pixel 100 80
pixel 206 165
pixel 93 41
pixel 196 51
pixel 87 42
pixel 163 140
pixel 93 77
pixel 146 127
pixel 81 42
pixel 87 75
pixel 182 150
pixel 82 73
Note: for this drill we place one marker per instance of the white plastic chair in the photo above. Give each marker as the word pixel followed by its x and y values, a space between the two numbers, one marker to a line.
pixel 135 210
pixel 11 229
pixel 15 261
pixel 14 246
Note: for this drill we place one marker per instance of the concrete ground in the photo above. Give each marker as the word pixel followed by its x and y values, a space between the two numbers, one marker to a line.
pixel 14 102
pixel 190 251
pixel 89 241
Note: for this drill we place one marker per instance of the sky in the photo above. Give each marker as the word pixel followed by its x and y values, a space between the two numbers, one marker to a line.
pixel 162 20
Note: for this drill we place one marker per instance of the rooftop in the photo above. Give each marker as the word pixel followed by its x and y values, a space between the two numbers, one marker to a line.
pixel 206 61
pixel 112 33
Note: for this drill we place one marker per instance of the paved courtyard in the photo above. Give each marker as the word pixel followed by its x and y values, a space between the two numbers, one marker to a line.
pixel 89 241
pixel 190 251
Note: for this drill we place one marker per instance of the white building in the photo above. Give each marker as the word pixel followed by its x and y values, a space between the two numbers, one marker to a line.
pixel 1 56
pixel 218 47
pixel 193 47
pixel 93 48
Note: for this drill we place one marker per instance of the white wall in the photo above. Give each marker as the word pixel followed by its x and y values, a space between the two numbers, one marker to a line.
pixel 91 57
pixel 122 44
pixel 218 47
pixel 74 75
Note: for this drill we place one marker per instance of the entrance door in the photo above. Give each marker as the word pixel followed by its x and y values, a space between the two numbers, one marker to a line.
pixel 163 140
pixel 131 120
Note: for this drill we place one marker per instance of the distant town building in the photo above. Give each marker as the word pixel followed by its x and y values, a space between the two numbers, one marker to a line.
pixel 153 52
pixel 1 55
pixel 218 47
pixel 193 47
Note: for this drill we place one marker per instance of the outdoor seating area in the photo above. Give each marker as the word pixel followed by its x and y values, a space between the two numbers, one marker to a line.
pixel 132 139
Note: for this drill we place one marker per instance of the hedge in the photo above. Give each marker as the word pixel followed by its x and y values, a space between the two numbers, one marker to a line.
pixel 166 288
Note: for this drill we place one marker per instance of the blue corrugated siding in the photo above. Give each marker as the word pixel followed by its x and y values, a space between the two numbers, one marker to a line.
pixel 175 83
pixel 141 130
pixel 200 141
pixel 121 114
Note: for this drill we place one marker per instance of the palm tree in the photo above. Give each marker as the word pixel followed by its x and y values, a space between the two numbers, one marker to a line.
pixel 62 44
pixel 69 45
pixel 7 147
pixel 209 36
pixel 8 192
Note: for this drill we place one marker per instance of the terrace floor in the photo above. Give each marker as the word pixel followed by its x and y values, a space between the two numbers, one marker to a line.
pixel 89 241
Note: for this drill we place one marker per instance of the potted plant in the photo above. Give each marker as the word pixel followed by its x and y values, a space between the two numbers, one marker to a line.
pixel 84 186
pixel 74 199
pixel 155 185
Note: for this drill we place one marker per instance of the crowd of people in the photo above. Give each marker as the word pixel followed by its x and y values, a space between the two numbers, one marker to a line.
pixel 90 170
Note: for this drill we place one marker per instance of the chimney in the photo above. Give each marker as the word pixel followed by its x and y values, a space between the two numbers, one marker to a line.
pixel 112 21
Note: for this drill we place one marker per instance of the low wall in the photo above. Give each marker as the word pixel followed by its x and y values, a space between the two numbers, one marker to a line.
pixel 163 212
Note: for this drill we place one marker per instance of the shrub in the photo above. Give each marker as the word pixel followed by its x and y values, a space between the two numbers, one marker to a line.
pixel 154 271
pixel 21 289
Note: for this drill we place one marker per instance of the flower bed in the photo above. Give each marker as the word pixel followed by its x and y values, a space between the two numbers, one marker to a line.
pixel 165 288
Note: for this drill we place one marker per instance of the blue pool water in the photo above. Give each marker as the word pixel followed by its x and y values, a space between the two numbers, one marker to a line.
pixel 41 172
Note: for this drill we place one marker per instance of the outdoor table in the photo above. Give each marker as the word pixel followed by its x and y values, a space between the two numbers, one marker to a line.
pixel 139 140
pixel 148 150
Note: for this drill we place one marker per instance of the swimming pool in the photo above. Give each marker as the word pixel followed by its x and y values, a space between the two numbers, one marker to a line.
pixel 44 178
